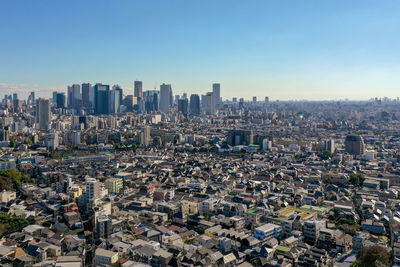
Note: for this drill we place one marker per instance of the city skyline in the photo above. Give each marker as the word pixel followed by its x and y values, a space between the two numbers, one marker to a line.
pixel 293 51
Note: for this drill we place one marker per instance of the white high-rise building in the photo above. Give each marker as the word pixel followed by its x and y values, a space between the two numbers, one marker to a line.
pixel 145 136
pixel 165 97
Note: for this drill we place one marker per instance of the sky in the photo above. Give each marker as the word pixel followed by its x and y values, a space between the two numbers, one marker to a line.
pixel 284 49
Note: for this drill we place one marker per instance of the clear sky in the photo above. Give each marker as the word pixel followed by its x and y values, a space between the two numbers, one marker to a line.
pixel 285 49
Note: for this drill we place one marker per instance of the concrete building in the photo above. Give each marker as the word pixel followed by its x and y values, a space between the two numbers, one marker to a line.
pixel 114 185
pixel 43 115
pixel 165 97
pixel 354 145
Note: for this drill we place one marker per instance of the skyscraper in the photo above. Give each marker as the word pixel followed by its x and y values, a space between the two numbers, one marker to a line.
pixel 165 97
pixel 210 104
pixel 151 98
pixel 60 100
pixel 115 99
pixel 86 92
pixel 183 106
pixel 102 98
pixel 217 93
pixel 43 113
pixel 194 104
pixel 138 89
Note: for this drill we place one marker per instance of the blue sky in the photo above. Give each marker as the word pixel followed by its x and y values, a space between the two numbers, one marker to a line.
pixel 308 49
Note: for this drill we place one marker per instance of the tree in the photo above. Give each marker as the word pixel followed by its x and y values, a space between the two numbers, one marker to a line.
pixel 13 143
pixel 373 256
pixel 357 179
pixel 326 154
pixel 28 141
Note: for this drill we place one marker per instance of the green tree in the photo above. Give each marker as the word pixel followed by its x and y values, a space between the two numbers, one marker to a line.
pixel 374 256
pixel 357 179
pixel 28 141
pixel 13 143
pixel 326 154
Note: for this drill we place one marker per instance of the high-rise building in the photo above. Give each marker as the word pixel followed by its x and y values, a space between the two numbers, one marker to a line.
pixel 266 100
pixel 115 99
pixel 92 189
pixel 210 104
pixel 254 99
pixel 86 92
pixel 31 98
pixel 102 98
pixel 151 98
pixel 217 93
pixel 145 136
pixel 329 145
pixel 183 106
pixel 103 227
pixel 138 90
pixel 74 96
pixel 165 97
pixel 76 138
pixel 354 145
pixel 43 115
pixel 195 104
pixel 54 99
pixel 15 96
pixel 60 100
pixel 4 134
pixel 240 137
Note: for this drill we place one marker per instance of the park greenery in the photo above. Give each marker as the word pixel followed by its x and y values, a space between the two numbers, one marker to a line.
pixel 12 179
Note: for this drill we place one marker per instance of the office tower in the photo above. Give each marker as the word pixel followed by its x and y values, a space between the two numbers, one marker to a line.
pixel 195 104
pixel 165 97
pixel 115 99
pixel 241 102
pixel 102 95
pixel 184 96
pixel 234 100
pixel 54 99
pixel 329 145
pixel 43 115
pixel 138 90
pixel 254 99
pixel 266 100
pixel 177 97
pixel 203 101
pixel 354 145
pixel 145 136
pixel 183 106
pixel 60 100
pixel 217 93
pixel 69 96
pixel 76 95
pixel 210 104
pixel 31 98
pixel 86 92
pixel 15 96
pixel 151 98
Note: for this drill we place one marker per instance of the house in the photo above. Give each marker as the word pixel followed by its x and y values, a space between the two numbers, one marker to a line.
pixel 105 257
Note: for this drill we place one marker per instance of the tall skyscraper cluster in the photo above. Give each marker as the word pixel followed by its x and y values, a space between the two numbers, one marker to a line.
pixel 103 99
